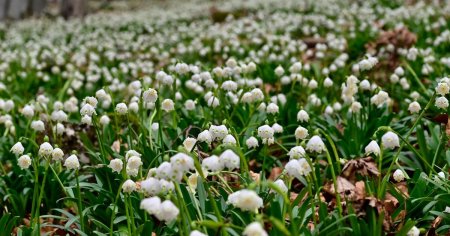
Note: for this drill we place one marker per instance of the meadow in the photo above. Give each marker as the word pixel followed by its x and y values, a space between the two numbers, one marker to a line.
pixel 236 117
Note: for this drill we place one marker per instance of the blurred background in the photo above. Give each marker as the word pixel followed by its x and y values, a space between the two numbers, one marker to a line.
pixel 11 10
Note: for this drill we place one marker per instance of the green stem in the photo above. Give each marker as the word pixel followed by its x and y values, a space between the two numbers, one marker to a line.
pixel 80 206
pixel 333 175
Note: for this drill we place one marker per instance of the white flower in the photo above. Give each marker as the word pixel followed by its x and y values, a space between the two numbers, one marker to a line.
pixel 132 153
pixel 327 82
pixel 229 85
pixel 189 105
pixel 205 136
pixel 150 95
pixel 151 205
pixel 414 107
pixel 315 144
pixel 390 140
pixel 38 125
pixel 380 98
pixel 59 129
pixel 213 102
pixel 86 120
pixel 166 186
pixel 252 142
pixel 167 211
pixel 365 85
pixel 129 186
pixel 230 160
pixel 301 133
pixel 182 162
pixel 57 154
pixel 165 171
pixel 28 111
pixel 45 149
pixel 104 120
pixel 72 162
pixel 167 105
pixel 229 140
pixel 17 149
pixel 265 132
pixel 399 71
pixel 155 126
pixel 218 132
pixel 197 233
pixel 279 71
pixel 302 116
pixel 277 128
pixel 189 143
pixel 212 163
pixel 442 103
pixel 280 183
pixel 414 231
pixel 116 165
pixel 87 109
pixel 355 107
pixel 272 108
pixel 246 200
pixel 254 229
pixel 134 162
pixel 298 168
pixel 442 89
pixel 372 147
pixel 24 162
pixel 151 186
pixel 296 152
pixel 121 108
pixel 398 175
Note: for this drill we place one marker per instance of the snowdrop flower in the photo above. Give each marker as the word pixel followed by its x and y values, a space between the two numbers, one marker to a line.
pixel 167 211
pixel 230 160
pixel 151 186
pixel 189 143
pixel 116 165
pixel 129 186
pixel 265 132
pixel 364 85
pixel 414 107
pixel 301 133
pixel 442 89
pixel 218 132
pixel 86 120
pixel 155 126
pixel 121 108
pixel 254 229
pixel 315 144
pixel 272 108
pixel 229 140
pixel 298 168
pixel 212 163
pixel 150 95
pixel 414 231
pixel 390 140
pixel 355 107
pixel 246 200
pixel 57 154
pixel 252 142
pixel 38 125
pixel 151 205
pixel 279 71
pixel 213 102
pixel 189 105
pixel 399 71
pixel 197 233
pixel 205 136
pixel 442 103
pixel 296 152
pixel 134 162
pixel 87 109
pixel 45 150
pixel 168 105
pixel 277 128
pixel 24 162
pixel 28 111
pixel 302 116
pixel 379 99
pixel 399 175
pixel 72 162
pixel 229 85
pixel 280 183
pixel 327 82
pixel 17 149
pixel 104 120
pixel 182 162
pixel 372 147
